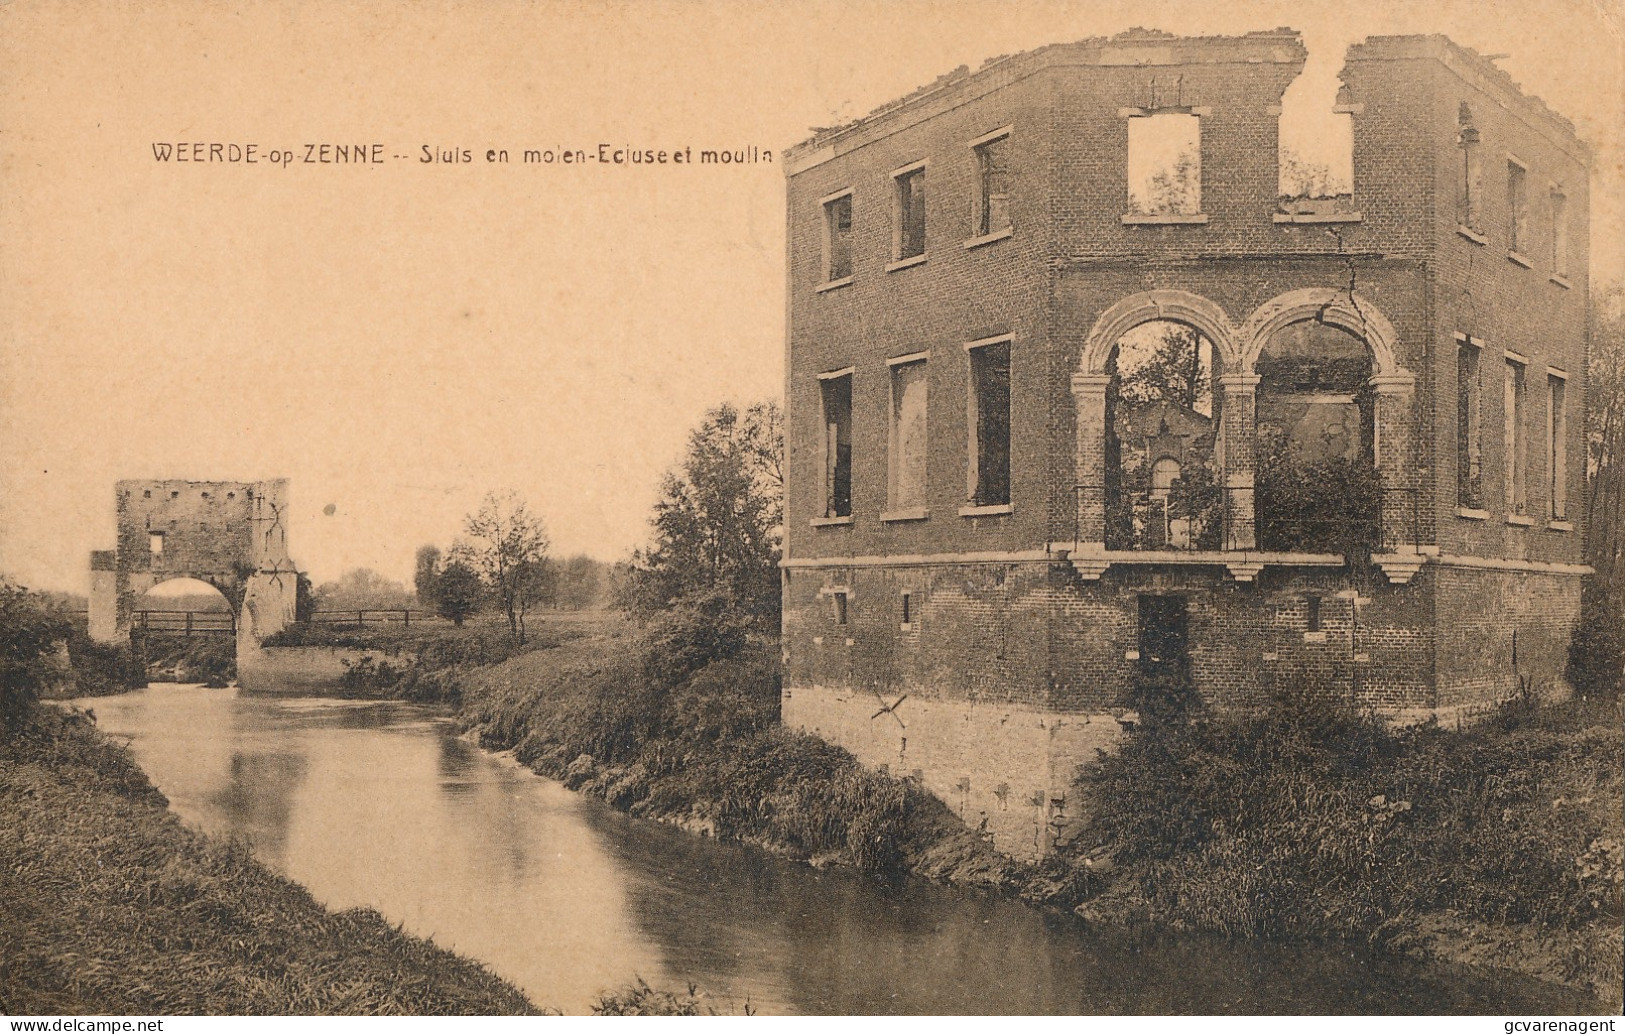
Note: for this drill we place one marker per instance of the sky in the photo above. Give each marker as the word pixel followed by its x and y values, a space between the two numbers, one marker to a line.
pixel 399 339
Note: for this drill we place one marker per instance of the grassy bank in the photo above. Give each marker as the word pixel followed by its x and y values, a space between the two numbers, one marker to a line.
pixel 1499 844
pixel 705 750
pixel 109 905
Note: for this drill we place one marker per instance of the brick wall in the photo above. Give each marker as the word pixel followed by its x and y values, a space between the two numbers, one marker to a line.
pixel 1001 624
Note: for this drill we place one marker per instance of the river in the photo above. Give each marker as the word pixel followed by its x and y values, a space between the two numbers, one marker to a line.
pixel 381 804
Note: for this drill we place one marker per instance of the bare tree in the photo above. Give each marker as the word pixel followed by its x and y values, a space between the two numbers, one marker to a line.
pixel 508 544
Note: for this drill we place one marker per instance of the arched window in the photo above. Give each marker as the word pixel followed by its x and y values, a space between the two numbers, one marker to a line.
pixel 1317 483
pixel 1162 463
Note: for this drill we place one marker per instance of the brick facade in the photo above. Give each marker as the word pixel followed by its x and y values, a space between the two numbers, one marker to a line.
pixel 1023 622
pixel 231 534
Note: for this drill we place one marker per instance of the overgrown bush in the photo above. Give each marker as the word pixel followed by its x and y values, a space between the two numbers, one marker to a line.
pixel 1235 822
pixel 29 634
pixel 1330 506
pixel 103 669
pixel 367 677
pixel 1597 653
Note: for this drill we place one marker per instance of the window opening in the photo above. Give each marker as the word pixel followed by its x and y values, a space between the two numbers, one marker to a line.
pixel 1162 487
pixel 837 405
pixel 838 238
pixel 1165 164
pixel 908 609
pixel 1469 450
pixel 1560 233
pixel 993 171
pixel 1517 447
pixel 1317 486
pixel 911 213
pixel 1312 619
pixel 839 597
pixel 990 401
pixel 1557 433
pixel 1517 207
pixel 907 476
pixel 1315 142
pixel 1469 192
pixel 155 543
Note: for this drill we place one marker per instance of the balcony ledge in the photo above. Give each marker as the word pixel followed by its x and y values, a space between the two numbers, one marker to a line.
pixel 1244 565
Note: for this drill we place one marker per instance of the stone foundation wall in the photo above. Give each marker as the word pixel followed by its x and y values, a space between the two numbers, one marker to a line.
pixel 1006 769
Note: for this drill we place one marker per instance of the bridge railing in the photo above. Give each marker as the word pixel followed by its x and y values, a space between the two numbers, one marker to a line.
pixel 187 622
pixel 359 618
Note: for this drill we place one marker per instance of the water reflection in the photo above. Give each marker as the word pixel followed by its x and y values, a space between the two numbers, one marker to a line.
pixel 380 804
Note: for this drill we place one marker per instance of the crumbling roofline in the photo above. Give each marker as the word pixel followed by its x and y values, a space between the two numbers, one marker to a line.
pixel 1281 46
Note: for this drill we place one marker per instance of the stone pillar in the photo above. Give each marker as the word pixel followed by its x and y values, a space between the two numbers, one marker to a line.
pixel 1089 395
pixel 1392 431
pixel 1238 429
pixel 104 596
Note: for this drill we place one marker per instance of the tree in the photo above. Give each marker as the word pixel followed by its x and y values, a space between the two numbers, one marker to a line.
pixel 1597 660
pixel 457 591
pixel 508 544
pixel 718 524
pixel 362 588
pixel 1173 371
pixel 579 582
pixel 427 570
pixel 29 634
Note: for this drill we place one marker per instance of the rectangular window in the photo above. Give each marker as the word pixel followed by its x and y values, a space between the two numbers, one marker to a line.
pixel 1560 233
pixel 908 608
pixel 839 596
pixel 1557 453
pixel 837 405
pixel 1517 207
pixel 1165 164
pixel 990 422
pixel 1469 196
pixel 993 186
pixel 1469 450
pixel 838 238
pixel 1517 448
pixel 1312 620
pixel 155 543
pixel 907 444
pixel 909 240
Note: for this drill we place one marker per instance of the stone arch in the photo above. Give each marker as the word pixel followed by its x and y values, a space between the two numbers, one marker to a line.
pixel 1339 308
pixel 1180 306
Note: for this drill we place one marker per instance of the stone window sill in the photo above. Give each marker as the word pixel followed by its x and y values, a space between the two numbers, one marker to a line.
pixel 833 284
pixel 1139 219
pixel 911 513
pixel 1468 513
pixel 1513 256
pixel 904 263
pixel 1314 637
pixel 1561 281
pixel 986 511
pixel 831 522
pixel 1559 525
pixel 989 238
pixel 1521 520
pixel 1471 234
pixel 1335 217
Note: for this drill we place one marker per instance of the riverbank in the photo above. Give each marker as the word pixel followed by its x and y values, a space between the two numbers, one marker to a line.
pixel 1498 845
pixel 109 905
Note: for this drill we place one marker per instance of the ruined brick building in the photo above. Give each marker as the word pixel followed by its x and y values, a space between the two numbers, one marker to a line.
pixel 230 534
pixel 1078 387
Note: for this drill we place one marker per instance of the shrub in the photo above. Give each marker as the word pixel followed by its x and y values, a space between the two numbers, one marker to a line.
pixel 29 634
pixel 102 669
pixel 1234 822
